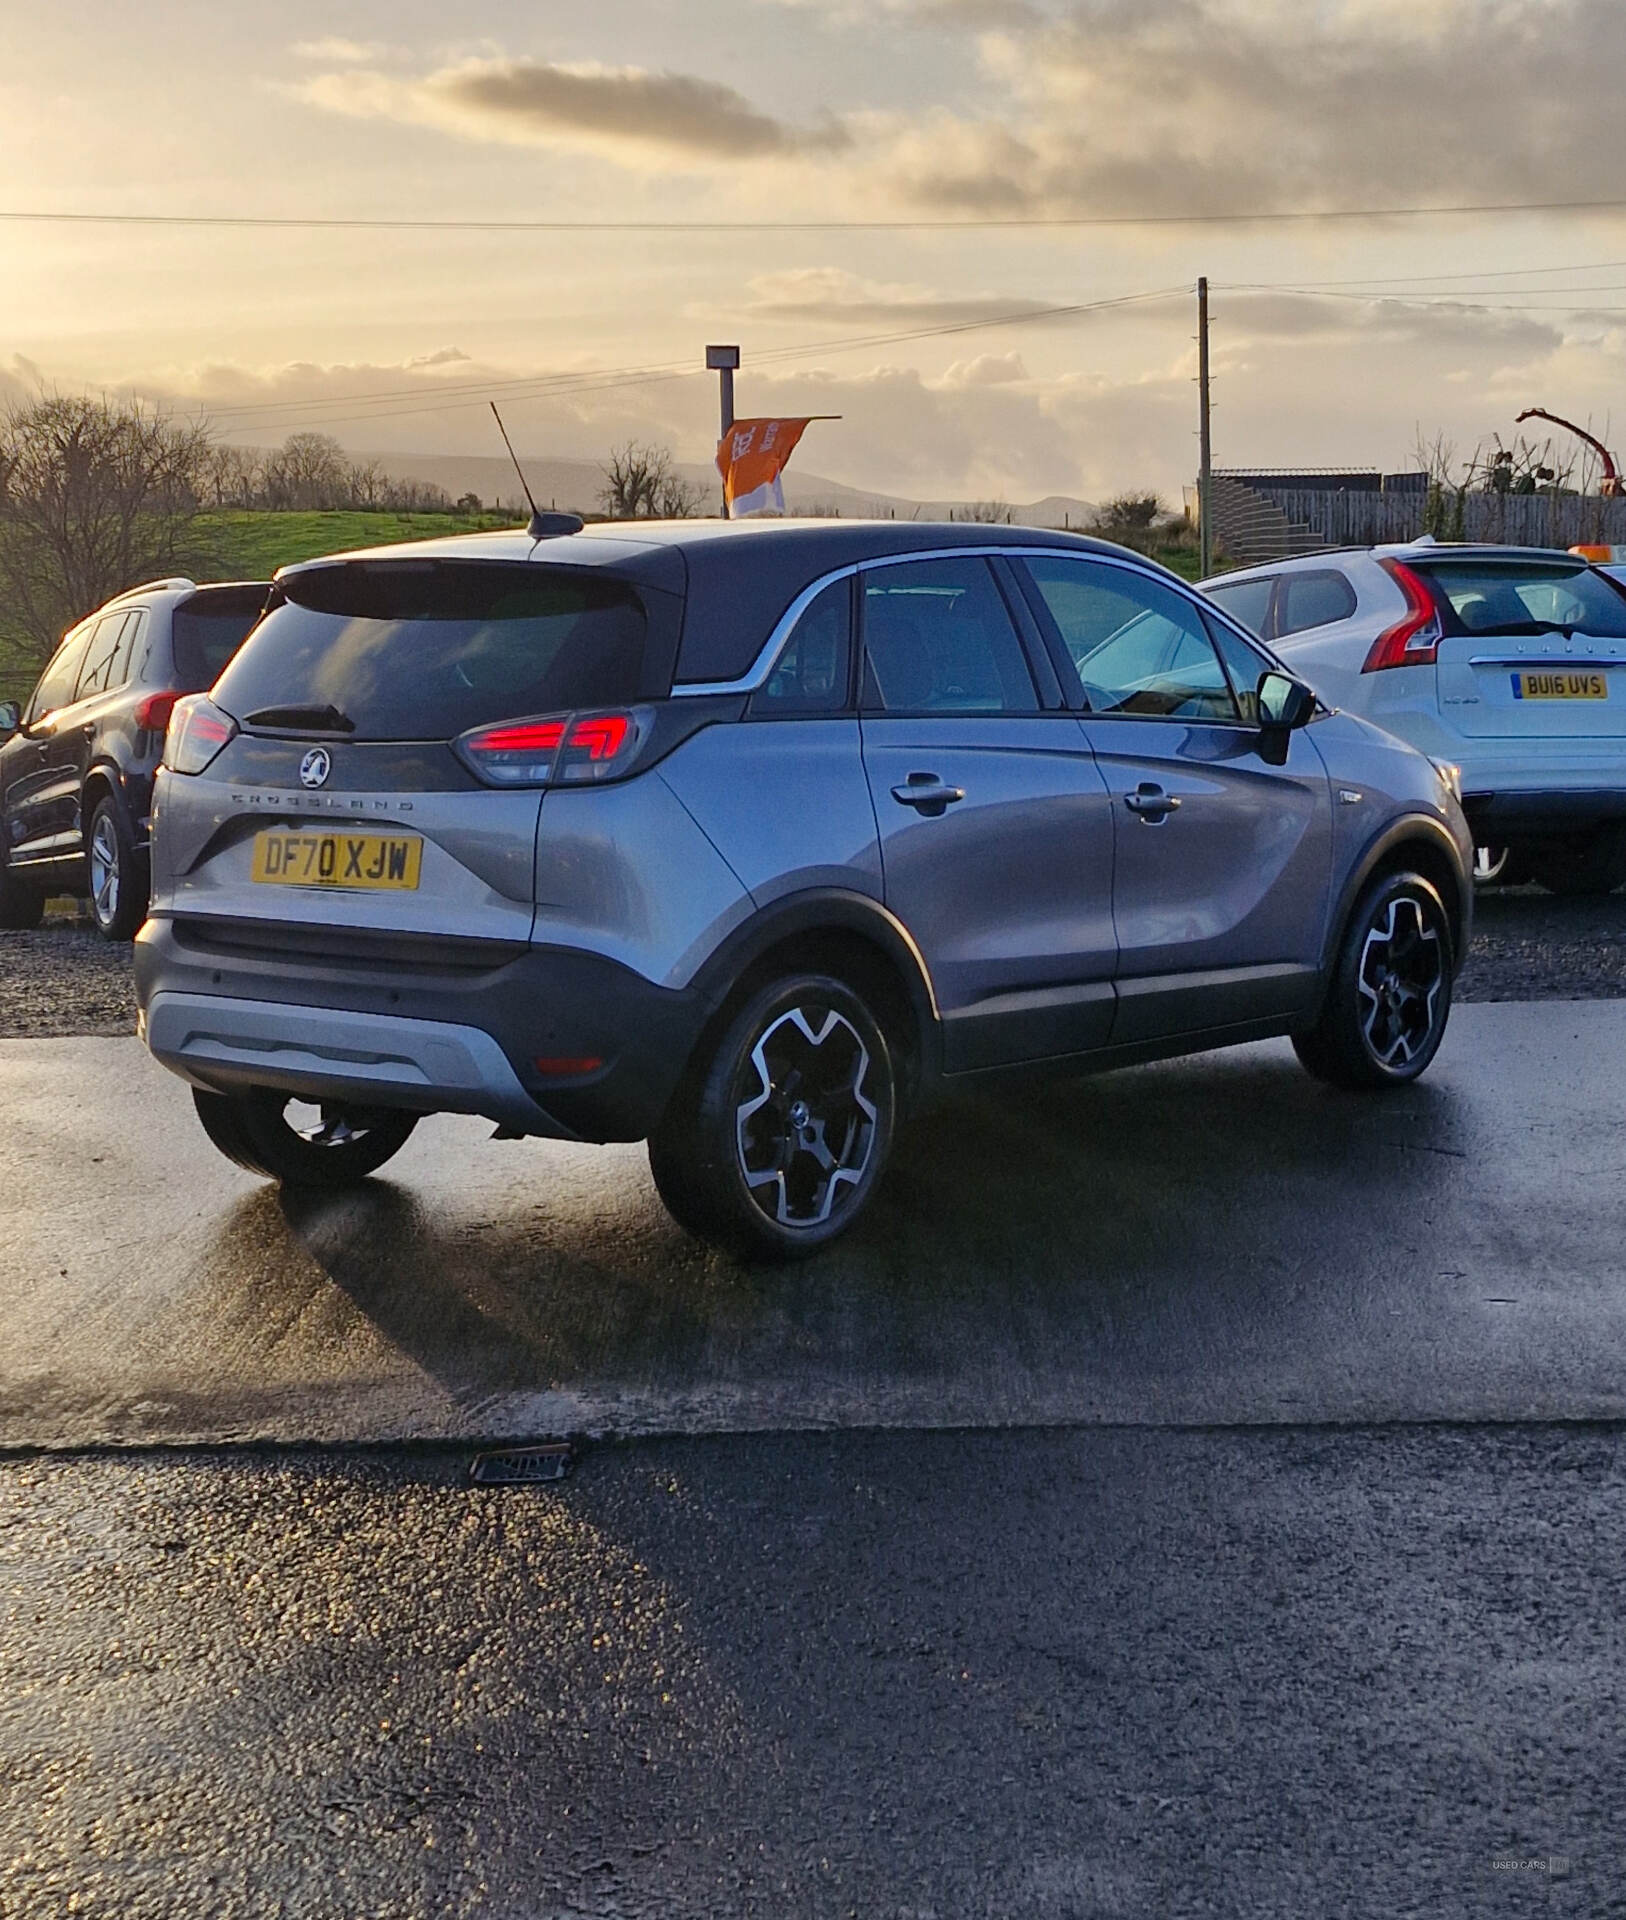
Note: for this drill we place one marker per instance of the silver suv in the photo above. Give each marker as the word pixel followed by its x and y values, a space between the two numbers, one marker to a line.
pixel 745 838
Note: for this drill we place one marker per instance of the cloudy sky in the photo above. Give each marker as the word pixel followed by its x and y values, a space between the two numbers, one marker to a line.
pixel 1335 339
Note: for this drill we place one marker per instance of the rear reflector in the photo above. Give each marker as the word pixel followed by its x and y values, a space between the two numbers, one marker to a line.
pixel 553 749
pixel 1415 640
pixel 566 1068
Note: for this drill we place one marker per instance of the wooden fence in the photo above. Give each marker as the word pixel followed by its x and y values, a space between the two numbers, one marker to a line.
pixel 1521 520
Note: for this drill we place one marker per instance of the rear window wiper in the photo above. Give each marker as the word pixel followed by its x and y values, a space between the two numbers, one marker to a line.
pixel 303 719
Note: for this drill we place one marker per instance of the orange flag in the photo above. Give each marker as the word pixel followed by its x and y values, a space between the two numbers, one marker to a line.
pixel 750 457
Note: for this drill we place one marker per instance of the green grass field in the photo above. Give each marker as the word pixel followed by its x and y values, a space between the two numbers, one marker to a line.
pixel 252 545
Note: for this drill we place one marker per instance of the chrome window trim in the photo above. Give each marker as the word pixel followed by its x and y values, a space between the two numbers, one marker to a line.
pixel 756 675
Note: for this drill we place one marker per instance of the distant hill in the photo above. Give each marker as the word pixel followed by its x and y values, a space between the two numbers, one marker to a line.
pixel 573 487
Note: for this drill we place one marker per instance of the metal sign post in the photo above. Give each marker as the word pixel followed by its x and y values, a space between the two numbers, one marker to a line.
pixel 1205 451
pixel 723 361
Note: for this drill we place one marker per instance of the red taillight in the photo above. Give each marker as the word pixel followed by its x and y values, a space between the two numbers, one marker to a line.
pixel 546 751
pixel 532 738
pixel 153 711
pixel 198 729
pixel 602 737
pixel 1415 640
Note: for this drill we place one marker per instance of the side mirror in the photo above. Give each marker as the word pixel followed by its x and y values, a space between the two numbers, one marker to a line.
pixel 1285 704
pixel 11 718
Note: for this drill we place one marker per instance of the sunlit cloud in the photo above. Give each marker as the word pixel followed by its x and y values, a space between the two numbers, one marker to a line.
pixel 336 50
pixel 625 112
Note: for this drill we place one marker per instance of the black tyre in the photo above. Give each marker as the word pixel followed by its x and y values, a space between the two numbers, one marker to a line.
pixel 118 874
pixel 1591 864
pixel 21 906
pixel 774 1143
pixel 302 1144
pixel 1390 995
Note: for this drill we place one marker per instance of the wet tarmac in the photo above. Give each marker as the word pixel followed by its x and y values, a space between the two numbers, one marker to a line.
pixel 1211 1241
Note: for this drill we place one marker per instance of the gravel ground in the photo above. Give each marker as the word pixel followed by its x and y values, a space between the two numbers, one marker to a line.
pixel 1528 945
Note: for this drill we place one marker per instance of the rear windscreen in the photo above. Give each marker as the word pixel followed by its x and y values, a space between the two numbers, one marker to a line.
pixel 426 650
pixel 203 644
pixel 1499 596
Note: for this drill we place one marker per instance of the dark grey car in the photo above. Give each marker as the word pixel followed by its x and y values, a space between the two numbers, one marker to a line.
pixel 744 838
pixel 77 759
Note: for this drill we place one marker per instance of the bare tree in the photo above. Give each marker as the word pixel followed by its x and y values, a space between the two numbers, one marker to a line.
pixel 95 496
pixel 993 513
pixel 233 477
pixel 366 486
pixel 308 470
pixel 679 499
pixel 634 478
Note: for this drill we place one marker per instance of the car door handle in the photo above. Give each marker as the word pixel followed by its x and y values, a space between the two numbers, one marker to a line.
pixel 926 793
pixel 1152 803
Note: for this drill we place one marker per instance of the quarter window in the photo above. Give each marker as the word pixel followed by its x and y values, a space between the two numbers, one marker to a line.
pixel 1140 648
pixel 1243 665
pixel 810 675
pixel 1311 600
pixel 938 638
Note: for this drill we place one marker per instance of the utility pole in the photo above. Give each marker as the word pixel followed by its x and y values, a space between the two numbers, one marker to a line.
pixel 1205 450
pixel 723 361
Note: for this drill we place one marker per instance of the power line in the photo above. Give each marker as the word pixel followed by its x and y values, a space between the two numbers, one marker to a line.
pixel 1479 273
pixel 1491 301
pixel 550 386
pixel 1015 222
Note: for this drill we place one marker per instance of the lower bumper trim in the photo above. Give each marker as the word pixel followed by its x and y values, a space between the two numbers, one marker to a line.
pixel 427 1066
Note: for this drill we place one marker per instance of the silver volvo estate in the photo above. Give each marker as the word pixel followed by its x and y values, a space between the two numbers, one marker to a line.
pixel 745 838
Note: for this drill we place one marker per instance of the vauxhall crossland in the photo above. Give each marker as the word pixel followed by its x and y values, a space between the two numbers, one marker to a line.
pixel 744 838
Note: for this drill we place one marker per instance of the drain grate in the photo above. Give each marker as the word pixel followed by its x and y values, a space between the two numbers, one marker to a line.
pixel 522 1466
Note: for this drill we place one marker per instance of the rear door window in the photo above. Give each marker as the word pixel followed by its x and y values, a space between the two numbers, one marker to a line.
pixel 425 650
pixel 1247 601
pixel 938 638
pixel 1311 600
pixel 1499 596
pixel 100 673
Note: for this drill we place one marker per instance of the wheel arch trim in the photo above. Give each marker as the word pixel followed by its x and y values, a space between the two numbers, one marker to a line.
pixel 824 910
pixel 1408 829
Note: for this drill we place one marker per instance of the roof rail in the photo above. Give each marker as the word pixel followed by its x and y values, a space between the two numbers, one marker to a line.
pixel 174 584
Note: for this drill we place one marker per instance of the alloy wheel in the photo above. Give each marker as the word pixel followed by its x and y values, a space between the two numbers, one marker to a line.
pixel 1402 970
pixel 327 1127
pixel 104 869
pixel 807 1130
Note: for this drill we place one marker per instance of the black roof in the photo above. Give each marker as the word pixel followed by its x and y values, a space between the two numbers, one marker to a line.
pixel 736 577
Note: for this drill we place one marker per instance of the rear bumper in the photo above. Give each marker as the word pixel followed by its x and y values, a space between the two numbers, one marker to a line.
pixel 425 1065
pixel 1512 814
pixel 443 1027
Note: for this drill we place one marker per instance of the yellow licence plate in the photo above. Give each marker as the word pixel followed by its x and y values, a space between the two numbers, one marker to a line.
pixel 1560 686
pixel 374 862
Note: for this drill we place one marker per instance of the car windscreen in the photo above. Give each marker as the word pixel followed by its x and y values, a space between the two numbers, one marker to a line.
pixel 1517 596
pixel 427 649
